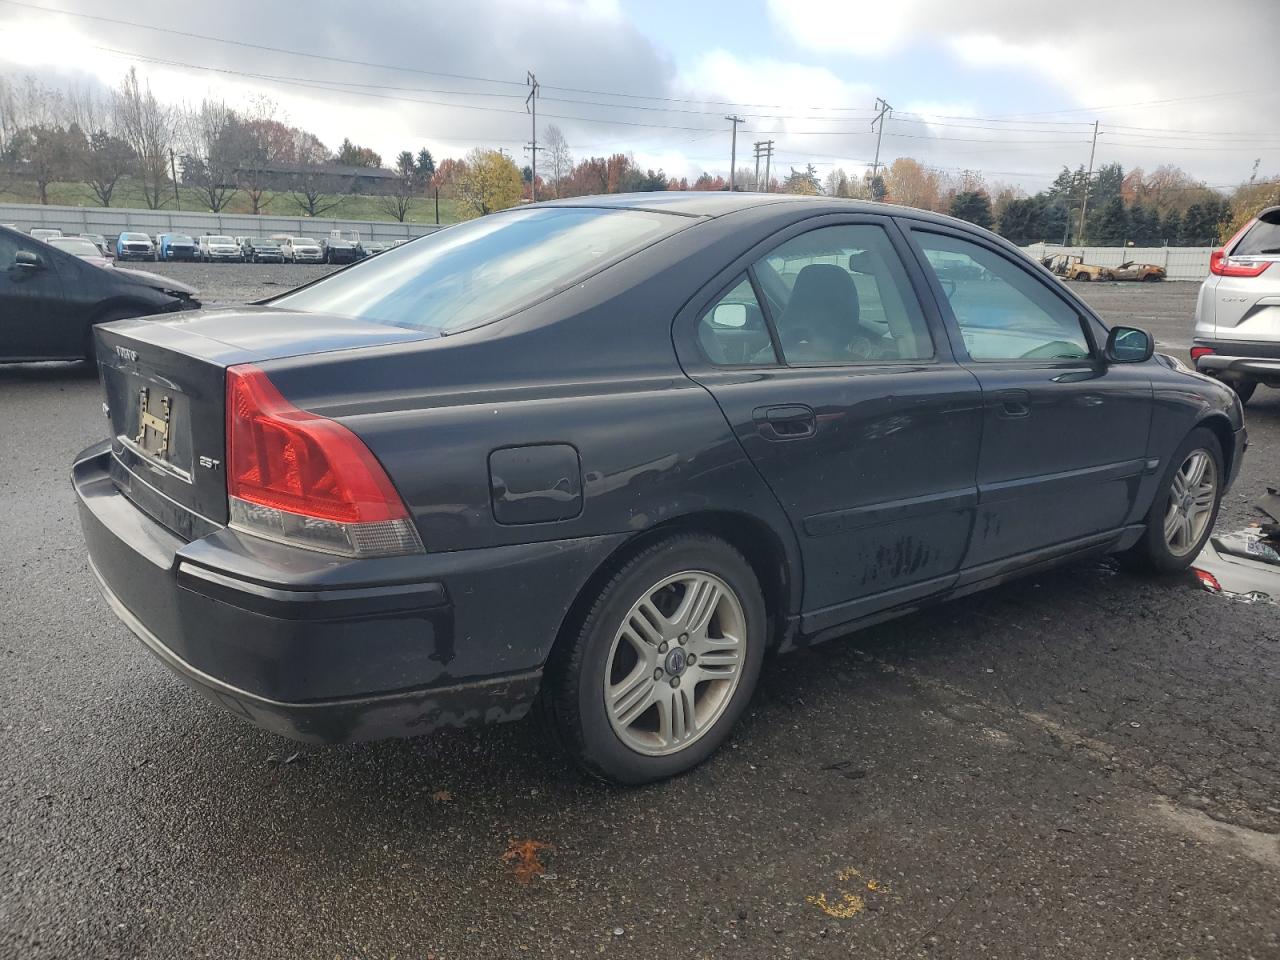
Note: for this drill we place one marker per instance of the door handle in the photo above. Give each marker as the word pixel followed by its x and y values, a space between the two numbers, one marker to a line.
pixel 1013 404
pixel 792 421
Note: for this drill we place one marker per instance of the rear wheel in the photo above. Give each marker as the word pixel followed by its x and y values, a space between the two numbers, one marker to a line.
pixel 1185 507
pixel 1082 276
pixel 663 665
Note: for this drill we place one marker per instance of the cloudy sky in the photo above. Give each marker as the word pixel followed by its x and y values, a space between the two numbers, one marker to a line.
pixel 1004 86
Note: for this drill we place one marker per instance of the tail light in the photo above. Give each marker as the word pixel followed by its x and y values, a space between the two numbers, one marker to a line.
pixel 1198 352
pixel 1225 266
pixel 1207 580
pixel 305 480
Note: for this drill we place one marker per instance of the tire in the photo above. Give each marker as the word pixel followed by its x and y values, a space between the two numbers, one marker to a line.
pixel 614 649
pixel 1157 551
pixel 1082 276
pixel 1244 389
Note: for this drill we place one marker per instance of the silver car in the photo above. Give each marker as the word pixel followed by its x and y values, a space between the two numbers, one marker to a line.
pixel 1237 336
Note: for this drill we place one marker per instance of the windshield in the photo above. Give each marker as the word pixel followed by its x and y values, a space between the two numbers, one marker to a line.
pixel 303 240
pixel 74 245
pixel 485 269
pixel 221 240
pixel 134 236
pixel 179 238
pixel 265 243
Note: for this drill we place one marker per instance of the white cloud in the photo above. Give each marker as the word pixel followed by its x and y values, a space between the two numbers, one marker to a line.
pixel 862 27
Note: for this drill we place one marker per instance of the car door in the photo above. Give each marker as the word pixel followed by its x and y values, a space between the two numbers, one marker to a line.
pixel 33 311
pixel 842 390
pixel 1064 435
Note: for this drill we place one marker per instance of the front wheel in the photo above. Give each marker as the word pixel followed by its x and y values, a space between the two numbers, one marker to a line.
pixel 1185 506
pixel 663 665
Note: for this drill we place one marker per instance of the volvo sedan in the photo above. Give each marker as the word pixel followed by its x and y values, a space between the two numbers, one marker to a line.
pixel 596 456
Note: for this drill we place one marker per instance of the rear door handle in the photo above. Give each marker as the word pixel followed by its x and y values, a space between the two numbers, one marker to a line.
pixel 793 421
pixel 1013 404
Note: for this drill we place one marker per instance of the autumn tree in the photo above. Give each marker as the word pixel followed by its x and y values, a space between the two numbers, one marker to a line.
pixel 802 181
pixel 489 181
pixel 911 184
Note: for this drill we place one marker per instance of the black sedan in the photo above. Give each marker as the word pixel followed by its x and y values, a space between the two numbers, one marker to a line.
pixel 596 456
pixel 50 299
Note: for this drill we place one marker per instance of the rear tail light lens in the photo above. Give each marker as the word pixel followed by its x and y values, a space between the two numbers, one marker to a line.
pixel 1207 580
pixel 1198 352
pixel 1225 266
pixel 302 479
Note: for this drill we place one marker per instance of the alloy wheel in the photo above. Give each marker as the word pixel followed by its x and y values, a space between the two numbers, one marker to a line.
pixel 675 663
pixel 1191 499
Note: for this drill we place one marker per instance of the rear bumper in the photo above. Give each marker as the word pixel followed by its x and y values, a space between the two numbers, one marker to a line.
pixel 1239 359
pixel 326 650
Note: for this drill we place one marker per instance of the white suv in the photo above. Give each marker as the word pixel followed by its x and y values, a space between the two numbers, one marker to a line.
pixel 1237 336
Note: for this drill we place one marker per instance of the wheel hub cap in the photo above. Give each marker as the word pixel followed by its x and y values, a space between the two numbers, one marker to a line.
pixel 675 663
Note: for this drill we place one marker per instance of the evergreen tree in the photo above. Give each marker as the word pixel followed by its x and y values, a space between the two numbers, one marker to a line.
pixel 426 163
pixel 1109 227
pixel 974 206
pixel 1171 229
pixel 1143 225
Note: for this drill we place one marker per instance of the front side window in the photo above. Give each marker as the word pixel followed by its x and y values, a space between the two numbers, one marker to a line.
pixel 485 269
pixel 841 295
pixel 1004 313
pixel 732 333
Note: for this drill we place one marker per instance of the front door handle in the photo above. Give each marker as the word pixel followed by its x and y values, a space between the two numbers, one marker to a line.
pixel 793 421
pixel 1013 404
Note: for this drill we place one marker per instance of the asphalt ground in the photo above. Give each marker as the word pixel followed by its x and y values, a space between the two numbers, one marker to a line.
pixel 1081 764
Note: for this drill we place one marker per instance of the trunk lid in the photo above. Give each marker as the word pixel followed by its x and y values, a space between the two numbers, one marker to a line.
pixel 164 381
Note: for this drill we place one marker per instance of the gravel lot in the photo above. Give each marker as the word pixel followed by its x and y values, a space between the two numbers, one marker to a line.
pixel 1081 765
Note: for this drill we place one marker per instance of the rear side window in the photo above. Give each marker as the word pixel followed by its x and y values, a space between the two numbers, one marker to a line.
pixel 1263 237
pixel 1004 313
pixel 733 332
pixel 841 295
pixel 488 268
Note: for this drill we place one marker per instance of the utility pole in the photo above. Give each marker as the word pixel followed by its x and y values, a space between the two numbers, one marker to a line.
pixel 878 126
pixel 755 184
pixel 733 150
pixel 531 104
pixel 768 158
pixel 173 172
pixel 1084 206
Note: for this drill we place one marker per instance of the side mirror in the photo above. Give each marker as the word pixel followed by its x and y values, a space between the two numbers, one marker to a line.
pixel 27 260
pixel 1129 345
pixel 730 315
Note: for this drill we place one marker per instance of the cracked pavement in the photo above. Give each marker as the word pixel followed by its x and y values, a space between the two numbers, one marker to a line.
pixel 1080 764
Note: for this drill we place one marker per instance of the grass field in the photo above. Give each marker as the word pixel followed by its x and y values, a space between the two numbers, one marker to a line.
pixel 128 193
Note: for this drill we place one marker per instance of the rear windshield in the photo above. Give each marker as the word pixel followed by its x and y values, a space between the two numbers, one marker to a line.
pixel 485 269
pixel 76 245
pixel 1263 237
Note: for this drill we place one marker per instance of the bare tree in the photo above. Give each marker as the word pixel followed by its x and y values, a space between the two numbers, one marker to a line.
pixel 314 186
pixel 560 160
pixel 147 125
pixel 48 154
pixel 261 144
pixel 407 185
pixel 207 135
